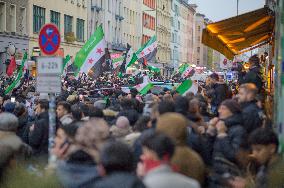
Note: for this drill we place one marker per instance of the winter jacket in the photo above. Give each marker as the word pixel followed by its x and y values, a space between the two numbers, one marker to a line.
pixel 253 76
pixel 227 147
pixel 23 122
pixel 164 177
pixel 252 116
pixel 120 180
pixel 218 93
pixel 77 172
pixel 66 119
pixel 38 138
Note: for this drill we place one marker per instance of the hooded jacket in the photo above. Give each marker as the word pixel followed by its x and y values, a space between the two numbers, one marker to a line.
pixel 253 76
pixel 227 147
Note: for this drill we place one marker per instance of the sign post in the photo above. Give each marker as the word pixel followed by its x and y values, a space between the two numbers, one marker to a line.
pixel 49 75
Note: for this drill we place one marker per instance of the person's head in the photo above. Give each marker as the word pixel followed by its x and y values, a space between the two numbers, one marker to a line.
pixel 122 122
pixel 181 105
pixel 254 61
pixel 228 108
pixel 76 112
pixel 92 135
pixel 8 122
pixel 214 77
pixel 157 146
pixel 95 112
pixel 9 107
pixel 143 123
pixel 260 100
pixel 173 125
pixel 247 92
pixel 166 106
pixel 84 109
pixel 116 156
pixel 41 106
pixel 168 97
pixel 20 109
pixel 264 143
pixel 65 136
pixel 62 109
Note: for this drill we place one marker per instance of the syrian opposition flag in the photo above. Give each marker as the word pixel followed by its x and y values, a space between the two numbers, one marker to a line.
pixel 187 86
pixel 16 82
pixel 145 86
pixel 117 62
pixel 66 63
pixel 12 66
pixel 188 71
pixel 131 57
pixel 148 51
pixel 92 54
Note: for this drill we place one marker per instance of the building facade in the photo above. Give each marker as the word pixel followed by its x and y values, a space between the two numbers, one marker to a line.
pixel 109 13
pixel 13 29
pixel 164 33
pixel 132 23
pixel 191 32
pixel 70 16
pixel 149 23
pixel 200 52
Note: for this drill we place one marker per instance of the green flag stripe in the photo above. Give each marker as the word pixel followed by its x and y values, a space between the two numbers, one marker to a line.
pixel 19 76
pixel 184 87
pixel 151 41
pixel 117 59
pixel 146 88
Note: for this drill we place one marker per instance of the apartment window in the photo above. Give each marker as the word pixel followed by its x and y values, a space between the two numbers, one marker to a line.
pixel 198 38
pixel 80 30
pixel 2 16
pixel 68 24
pixel 198 28
pixel 178 25
pixel 12 18
pixel 197 62
pixel 150 3
pixel 55 18
pixel 38 18
pixel 22 20
pixel 198 49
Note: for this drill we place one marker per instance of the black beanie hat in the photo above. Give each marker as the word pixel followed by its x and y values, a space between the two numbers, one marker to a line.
pixel 232 105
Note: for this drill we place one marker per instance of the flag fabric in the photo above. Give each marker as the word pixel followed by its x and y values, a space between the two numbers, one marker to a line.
pixel 66 62
pixel 131 57
pixel 148 51
pixel 12 66
pixel 154 69
pixel 145 86
pixel 92 54
pixel 189 70
pixel 117 62
pixel 16 82
pixel 187 86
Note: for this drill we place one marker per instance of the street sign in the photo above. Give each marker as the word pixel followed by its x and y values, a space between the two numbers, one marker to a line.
pixel 49 65
pixel 49 39
pixel 48 74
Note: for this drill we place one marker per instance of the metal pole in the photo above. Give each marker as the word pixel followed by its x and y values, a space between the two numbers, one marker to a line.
pixel 237 7
pixel 52 126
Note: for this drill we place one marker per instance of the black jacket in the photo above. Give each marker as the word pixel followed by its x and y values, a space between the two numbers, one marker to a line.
pixel 38 138
pixel 252 116
pixel 253 76
pixel 218 93
pixel 227 147
pixel 120 180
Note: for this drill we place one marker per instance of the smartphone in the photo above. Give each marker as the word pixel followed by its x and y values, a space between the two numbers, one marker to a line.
pixel 13 99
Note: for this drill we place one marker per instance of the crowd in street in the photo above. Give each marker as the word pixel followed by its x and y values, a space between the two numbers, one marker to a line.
pixel 111 139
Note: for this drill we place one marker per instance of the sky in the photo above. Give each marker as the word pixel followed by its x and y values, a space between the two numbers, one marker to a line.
pixel 217 10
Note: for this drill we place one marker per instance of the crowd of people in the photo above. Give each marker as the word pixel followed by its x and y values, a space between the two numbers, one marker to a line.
pixel 111 139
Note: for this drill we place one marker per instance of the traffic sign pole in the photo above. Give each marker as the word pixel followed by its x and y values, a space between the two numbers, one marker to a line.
pixel 48 76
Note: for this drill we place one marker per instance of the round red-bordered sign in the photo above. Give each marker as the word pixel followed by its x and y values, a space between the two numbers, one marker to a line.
pixel 49 39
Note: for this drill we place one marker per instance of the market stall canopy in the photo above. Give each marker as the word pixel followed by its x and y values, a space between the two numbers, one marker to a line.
pixel 237 34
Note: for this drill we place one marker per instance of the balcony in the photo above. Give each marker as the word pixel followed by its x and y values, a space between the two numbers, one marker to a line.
pixel 119 17
pixel 97 8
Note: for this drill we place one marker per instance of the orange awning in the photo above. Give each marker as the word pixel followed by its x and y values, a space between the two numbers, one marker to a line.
pixel 234 35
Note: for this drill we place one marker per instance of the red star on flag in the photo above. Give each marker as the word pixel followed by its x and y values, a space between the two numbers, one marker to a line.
pixel 90 61
pixel 142 53
pixel 100 51
pixel 149 49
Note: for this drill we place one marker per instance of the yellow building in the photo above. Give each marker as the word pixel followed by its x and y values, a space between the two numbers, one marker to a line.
pixel 163 31
pixel 132 23
pixel 70 16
